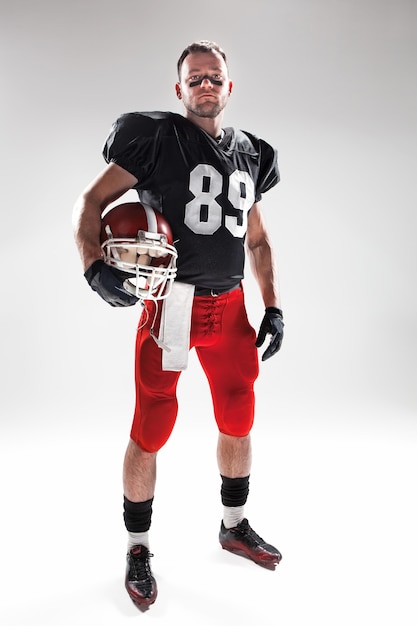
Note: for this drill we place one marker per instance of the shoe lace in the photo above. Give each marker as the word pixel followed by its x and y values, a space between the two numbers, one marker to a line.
pixel 249 535
pixel 140 567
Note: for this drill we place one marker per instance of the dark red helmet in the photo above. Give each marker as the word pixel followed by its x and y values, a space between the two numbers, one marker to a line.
pixel 137 239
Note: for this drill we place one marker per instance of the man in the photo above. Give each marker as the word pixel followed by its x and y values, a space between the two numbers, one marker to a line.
pixel 207 181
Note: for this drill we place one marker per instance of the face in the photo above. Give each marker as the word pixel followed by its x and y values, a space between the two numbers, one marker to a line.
pixel 204 87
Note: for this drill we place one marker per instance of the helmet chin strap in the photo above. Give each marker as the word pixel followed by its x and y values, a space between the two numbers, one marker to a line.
pixel 158 342
pixel 156 339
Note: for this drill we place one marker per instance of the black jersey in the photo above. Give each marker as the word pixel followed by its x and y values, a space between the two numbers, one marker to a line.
pixel 204 188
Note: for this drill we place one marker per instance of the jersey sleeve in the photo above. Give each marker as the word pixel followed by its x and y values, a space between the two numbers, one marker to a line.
pixel 133 145
pixel 268 172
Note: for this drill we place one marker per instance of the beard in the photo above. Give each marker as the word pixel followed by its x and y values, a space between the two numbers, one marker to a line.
pixel 206 109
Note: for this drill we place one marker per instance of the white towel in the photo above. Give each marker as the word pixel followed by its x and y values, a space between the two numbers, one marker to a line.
pixel 174 332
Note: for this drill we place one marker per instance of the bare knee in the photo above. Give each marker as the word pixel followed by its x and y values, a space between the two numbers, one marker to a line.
pixel 139 473
pixel 136 452
pixel 234 455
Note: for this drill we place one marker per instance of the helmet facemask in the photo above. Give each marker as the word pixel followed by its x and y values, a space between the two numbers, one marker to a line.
pixel 148 260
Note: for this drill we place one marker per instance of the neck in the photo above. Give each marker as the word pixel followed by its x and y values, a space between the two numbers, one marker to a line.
pixel 212 126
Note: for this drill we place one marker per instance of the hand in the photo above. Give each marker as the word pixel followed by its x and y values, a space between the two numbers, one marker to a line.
pixel 271 324
pixel 108 282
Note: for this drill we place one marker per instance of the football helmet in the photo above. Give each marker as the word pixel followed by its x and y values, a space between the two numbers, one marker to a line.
pixel 137 239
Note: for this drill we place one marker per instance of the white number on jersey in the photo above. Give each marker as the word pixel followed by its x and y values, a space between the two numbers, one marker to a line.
pixel 204 215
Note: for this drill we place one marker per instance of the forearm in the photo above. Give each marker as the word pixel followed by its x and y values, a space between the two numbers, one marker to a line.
pixel 87 225
pixel 264 269
pixel 112 183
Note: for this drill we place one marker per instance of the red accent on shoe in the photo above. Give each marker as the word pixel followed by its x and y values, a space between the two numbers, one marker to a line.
pixel 244 541
pixel 139 581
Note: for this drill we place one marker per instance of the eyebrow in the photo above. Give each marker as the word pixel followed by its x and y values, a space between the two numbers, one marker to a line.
pixel 217 69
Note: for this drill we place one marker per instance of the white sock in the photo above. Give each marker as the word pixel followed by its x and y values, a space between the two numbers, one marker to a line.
pixel 232 515
pixel 137 539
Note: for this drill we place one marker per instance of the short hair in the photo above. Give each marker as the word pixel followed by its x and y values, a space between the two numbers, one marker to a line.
pixel 200 46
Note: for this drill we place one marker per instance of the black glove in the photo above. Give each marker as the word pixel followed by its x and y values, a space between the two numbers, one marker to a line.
pixel 108 282
pixel 271 324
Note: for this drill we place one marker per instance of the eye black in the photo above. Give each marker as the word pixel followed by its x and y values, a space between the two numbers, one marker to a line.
pixel 214 81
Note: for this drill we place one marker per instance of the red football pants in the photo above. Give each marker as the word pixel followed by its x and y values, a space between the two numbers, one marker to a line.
pixel 225 344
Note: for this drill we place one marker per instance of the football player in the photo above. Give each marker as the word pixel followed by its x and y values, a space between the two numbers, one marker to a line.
pixel 207 181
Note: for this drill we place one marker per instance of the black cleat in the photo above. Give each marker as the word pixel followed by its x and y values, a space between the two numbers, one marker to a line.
pixel 244 541
pixel 139 582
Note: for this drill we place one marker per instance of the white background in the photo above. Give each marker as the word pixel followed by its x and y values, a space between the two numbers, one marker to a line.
pixel 332 84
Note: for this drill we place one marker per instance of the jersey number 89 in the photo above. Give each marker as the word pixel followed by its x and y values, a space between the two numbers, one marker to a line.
pixel 204 215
